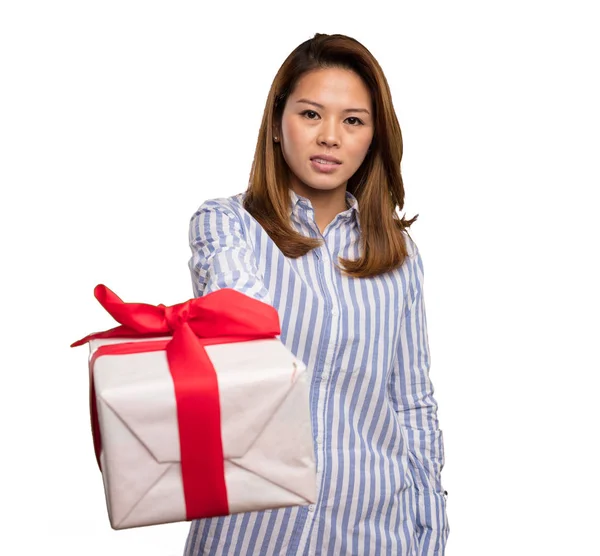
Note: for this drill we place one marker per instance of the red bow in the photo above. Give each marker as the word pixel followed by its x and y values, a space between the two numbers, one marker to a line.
pixel 223 313
pixel 224 316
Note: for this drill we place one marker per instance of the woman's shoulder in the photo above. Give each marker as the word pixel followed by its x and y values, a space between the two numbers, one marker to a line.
pixel 225 216
pixel 230 206
pixel 412 250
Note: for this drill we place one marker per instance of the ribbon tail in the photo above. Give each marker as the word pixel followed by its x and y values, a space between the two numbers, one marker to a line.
pixel 199 417
pixel 95 425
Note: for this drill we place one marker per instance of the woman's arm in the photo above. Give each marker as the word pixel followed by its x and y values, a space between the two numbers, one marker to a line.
pixel 221 256
pixel 412 398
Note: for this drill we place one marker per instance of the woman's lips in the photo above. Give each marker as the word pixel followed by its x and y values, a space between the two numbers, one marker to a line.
pixel 325 167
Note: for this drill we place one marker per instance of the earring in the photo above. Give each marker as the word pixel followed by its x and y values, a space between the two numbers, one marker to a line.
pixel 276 139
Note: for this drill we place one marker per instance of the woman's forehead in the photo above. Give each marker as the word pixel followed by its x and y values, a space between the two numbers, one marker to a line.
pixel 332 88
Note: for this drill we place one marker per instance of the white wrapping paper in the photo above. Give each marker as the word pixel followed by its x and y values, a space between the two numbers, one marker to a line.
pixel 265 424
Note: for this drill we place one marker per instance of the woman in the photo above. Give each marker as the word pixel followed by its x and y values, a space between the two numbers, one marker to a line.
pixel 318 236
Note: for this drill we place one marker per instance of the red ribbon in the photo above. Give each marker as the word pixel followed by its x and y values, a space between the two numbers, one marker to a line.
pixel 224 316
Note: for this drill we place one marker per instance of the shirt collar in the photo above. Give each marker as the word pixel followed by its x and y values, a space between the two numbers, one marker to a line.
pixel 298 202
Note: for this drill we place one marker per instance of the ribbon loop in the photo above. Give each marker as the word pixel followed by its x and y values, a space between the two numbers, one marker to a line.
pixel 223 313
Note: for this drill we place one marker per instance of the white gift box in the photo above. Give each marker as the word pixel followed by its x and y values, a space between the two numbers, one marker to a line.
pixel 265 427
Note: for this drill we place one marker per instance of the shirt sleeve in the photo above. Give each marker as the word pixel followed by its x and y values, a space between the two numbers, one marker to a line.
pixel 412 398
pixel 221 255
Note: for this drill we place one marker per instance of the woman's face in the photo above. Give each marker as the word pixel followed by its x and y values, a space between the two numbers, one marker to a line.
pixel 329 113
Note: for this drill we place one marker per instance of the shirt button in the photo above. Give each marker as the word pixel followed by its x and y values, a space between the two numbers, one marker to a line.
pixel 334 312
pixel 324 376
pixel 319 439
pixel 311 508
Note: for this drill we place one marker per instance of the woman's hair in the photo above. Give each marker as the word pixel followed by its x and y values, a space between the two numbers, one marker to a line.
pixel 377 184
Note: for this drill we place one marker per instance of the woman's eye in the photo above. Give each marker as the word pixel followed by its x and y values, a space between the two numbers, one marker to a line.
pixel 359 122
pixel 310 113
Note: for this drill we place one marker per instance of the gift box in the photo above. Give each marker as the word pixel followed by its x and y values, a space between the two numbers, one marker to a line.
pixel 198 410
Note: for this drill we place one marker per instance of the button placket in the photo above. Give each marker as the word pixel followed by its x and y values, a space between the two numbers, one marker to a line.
pixel 333 313
pixel 330 281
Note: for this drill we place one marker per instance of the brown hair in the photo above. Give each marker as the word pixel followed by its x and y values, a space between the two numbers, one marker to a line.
pixel 267 197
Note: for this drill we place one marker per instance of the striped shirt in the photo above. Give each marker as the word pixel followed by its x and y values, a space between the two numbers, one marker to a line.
pixel 378 447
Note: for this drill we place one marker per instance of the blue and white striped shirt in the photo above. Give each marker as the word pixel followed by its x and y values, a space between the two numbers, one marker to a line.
pixel 379 451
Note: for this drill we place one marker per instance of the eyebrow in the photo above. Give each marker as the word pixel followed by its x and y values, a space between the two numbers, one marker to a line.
pixel 323 108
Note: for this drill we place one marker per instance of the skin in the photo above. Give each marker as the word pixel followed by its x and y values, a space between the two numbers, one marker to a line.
pixel 307 130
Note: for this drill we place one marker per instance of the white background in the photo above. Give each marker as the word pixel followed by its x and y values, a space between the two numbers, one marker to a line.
pixel 117 119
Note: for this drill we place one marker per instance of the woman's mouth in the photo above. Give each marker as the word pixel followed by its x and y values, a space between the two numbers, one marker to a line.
pixel 322 165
